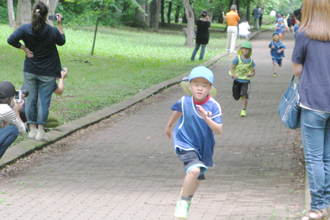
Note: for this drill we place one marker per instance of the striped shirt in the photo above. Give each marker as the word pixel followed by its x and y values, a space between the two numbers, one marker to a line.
pixel 7 115
pixel 232 18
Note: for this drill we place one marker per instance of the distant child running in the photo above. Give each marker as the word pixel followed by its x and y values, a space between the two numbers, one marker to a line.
pixel 280 26
pixel 277 51
pixel 242 69
pixel 200 117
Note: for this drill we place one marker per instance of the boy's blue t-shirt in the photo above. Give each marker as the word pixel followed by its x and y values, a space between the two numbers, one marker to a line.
pixel 191 132
pixel 296 28
pixel 235 62
pixel 273 52
pixel 281 30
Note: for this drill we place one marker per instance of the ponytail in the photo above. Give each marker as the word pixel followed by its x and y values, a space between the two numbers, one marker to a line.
pixel 39 17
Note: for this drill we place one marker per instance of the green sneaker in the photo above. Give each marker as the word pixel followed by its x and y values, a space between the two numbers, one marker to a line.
pixel 243 113
pixel 274 75
pixel 189 203
pixel 181 209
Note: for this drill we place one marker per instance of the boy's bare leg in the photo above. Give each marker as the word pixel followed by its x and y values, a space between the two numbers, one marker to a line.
pixel 197 183
pixel 274 67
pixel 189 183
pixel 244 102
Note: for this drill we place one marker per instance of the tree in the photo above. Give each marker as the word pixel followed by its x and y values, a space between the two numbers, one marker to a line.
pixel 11 13
pixel 191 22
pixel 140 20
pixel 154 14
pixel 169 12
pixel 23 13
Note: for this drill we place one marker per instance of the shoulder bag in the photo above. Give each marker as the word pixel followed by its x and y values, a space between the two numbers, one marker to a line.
pixel 289 109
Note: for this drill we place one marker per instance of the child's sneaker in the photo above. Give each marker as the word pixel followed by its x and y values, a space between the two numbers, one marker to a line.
pixel 274 75
pixel 181 209
pixel 243 113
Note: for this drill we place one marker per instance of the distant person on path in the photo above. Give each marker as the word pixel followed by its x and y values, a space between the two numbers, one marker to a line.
pixel 41 66
pixel 202 36
pixel 310 62
pixel 273 14
pixel 276 51
pixel 232 22
pixel 244 29
pixel 200 117
pixel 10 122
pixel 261 13
pixel 256 15
pixel 242 69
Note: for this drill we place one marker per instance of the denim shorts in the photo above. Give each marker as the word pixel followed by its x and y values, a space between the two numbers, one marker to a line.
pixel 191 160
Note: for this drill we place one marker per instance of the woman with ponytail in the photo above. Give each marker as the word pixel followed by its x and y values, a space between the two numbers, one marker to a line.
pixel 41 65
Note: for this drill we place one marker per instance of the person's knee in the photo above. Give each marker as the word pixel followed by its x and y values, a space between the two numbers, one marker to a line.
pixel 195 172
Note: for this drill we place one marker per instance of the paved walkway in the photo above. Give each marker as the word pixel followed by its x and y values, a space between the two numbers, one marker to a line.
pixel 124 167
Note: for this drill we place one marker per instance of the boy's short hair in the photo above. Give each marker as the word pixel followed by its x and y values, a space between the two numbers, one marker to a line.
pixel 202 71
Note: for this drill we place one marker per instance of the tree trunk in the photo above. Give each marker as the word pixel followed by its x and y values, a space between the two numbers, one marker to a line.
pixel 52 6
pixel 177 13
pixel 248 11
pixel 184 18
pixel 23 13
pixel 169 13
pixel 154 17
pixel 237 4
pixel 211 10
pixel 147 17
pixel 139 20
pixel 95 32
pixel 157 18
pixel 190 26
pixel 11 13
pixel 162 15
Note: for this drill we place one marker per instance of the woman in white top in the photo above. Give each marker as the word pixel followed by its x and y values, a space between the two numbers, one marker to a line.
pixel 10 122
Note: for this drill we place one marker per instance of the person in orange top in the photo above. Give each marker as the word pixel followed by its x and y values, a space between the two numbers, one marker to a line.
pixel 232 22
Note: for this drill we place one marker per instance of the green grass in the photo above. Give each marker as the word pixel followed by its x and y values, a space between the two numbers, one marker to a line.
pixel 125 62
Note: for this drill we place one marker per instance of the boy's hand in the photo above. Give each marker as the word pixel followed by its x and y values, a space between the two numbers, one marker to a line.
pixel 168 132
pixel 279 50
pixel 201 111
pixel 272 47
pixel 235 76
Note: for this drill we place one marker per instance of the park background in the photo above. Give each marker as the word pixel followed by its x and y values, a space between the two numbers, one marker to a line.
pixel 116 48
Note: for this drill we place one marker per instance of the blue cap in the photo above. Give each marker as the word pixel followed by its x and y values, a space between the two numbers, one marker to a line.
pixel 280 19
pixel 201 71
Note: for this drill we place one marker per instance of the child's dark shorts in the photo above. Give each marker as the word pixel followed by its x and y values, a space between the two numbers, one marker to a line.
pixel 191 160
pixel 279 61
pixel 240 89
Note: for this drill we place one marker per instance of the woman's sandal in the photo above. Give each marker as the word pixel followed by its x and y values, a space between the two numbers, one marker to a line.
pixel 316 215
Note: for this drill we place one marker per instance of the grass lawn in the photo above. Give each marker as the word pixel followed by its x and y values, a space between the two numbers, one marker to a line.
pixel 125 62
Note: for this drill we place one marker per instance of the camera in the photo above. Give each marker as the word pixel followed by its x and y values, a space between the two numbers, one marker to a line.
pixel 19 93
pixel 18 96
pixel 53 17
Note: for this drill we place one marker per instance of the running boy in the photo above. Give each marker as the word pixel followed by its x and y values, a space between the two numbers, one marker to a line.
pixel 200 117
pixel 277 51
pixel 242 69
pixel 280 27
